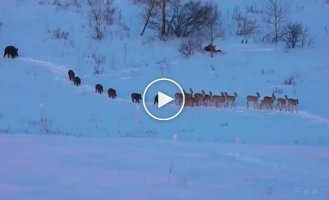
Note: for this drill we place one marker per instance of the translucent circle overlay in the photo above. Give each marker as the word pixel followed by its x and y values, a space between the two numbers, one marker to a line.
pixel 167 118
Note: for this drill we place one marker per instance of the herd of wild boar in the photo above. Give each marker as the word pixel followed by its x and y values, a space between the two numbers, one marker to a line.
pixel 193 99
pixel 112 93
pixel 202 99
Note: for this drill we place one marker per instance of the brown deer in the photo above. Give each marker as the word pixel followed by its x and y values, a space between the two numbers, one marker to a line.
pixel 254 100
pixel 270 99
pixel 178 98
pixel 231 99
pixel 292 103
pixel 207 98
pixel 267 103
pixel 218 100
pixel 281 102
pixel 190 101
pixel 199 97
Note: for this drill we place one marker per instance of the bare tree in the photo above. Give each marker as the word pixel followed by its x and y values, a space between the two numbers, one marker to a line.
pixel 211 23
pixel 295 35
pixel 163 16
pixel 188 18
pixel 276 14
pixel 148 12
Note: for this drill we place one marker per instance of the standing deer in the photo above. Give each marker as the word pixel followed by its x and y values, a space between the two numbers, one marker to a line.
pixel 254 100
pixel 282 102
pixel 218 100
pixel 292 103
pixel 270 99
pixel 199 97
pixel 231 99
pixel 266 103
pixel 178 98
pixel 207 99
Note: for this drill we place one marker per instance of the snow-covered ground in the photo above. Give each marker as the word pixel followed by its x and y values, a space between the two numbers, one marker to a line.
pixel 55 167
pixel 115 149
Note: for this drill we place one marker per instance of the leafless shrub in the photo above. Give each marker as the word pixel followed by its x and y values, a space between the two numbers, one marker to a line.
pixel 245 26
pixel 295 35
pixel 267 72
pixel 59 34
pixel 137 1
pixel 92 3
pixel 253 9
pixel 63 4
pixel 108 12
pixel 101 14
pixel 237 14
pixel 186 48
pixel 292 80
pixel 43 2
pixel 175 17
pixel 96 22
pixel 98 61
pixel 278 91
pixel 189 46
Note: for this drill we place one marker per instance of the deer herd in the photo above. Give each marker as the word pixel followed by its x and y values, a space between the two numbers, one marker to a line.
pixel 202 99
pixel 224 99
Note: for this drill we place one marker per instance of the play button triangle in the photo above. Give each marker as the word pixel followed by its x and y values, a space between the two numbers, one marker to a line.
pixel 163 99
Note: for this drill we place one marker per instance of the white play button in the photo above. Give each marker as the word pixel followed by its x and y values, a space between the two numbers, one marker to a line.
pixel 153 99
pixel 163 99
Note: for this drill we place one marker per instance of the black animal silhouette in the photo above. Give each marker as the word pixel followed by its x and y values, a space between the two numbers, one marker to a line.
pixel 135 97
pixel 10 51
pixel 156 99
pixel 77 81
pixel 71 74
pixel 112 93
pixel 98 88
pixel 212 48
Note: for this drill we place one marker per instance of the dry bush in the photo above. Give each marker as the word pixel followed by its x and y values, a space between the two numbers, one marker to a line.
pixel 295 35
pixel 253 9
pixel 59 34
pixel 98 62
pixel 108 12
pixel 101 14
pixel 245 26
pixel 96 22
pixel 292 80
pixel 189 46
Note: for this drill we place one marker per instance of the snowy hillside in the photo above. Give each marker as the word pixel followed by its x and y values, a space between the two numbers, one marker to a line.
pixel 277 153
